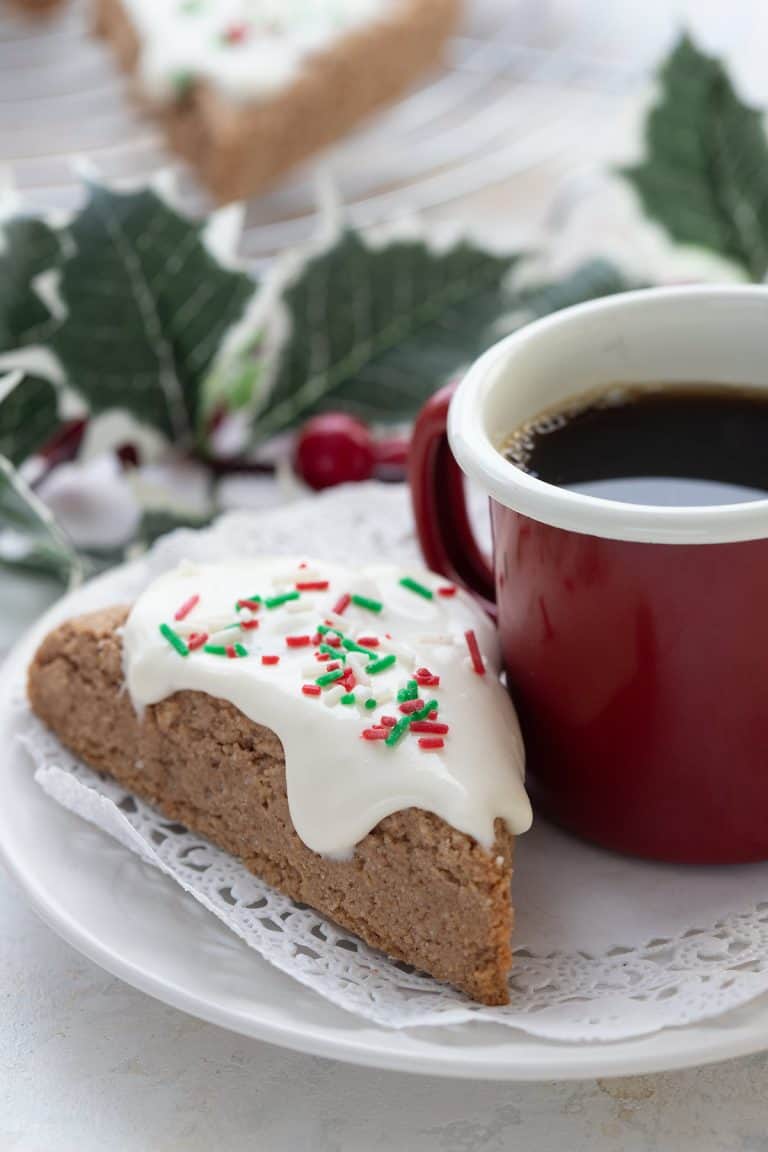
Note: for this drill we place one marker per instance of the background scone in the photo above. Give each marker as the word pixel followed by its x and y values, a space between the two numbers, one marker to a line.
pixel 250 88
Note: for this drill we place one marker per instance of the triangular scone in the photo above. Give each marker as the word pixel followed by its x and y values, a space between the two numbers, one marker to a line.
pixel 415 887
pixel 248 89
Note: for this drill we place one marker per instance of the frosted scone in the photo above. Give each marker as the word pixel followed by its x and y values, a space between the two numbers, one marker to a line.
pixel 342 731
pixel 250 88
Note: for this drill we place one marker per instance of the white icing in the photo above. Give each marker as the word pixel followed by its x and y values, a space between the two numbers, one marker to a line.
pixel 339 784
pixel 249 49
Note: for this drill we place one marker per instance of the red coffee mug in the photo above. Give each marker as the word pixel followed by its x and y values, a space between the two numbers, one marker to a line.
pixel 635 637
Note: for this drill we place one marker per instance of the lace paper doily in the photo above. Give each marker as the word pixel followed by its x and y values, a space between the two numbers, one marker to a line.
pixel 606 948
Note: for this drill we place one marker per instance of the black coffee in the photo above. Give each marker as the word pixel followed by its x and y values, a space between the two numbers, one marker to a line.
pixel 669 445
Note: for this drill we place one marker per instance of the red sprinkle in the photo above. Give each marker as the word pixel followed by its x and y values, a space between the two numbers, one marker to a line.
pixel 332 640
pixel 196 640
pixel 186 608
pixel 312 586
pixel 303 564
pixel 389 721
pixel 375 734
pixel 447 590
pixel 409 706
pixel 253 605
pixel 474 652
pixel 322 656
pixel 270 659
pixel 369 641
pixel 342 604
pixel 231 652
pixel 348 679
pixel 236 33
pixel 433 714
pixel 317 638
pixel 249 625
pixel 429 726
pixel 431 743
pixel 298 641
pixel 426 679
pixel 334 666
pixel 311 689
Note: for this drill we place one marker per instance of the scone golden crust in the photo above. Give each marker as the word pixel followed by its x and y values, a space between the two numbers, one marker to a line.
pixel 416 888
pixel 240 148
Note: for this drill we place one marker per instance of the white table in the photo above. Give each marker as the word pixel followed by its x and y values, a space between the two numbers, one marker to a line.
pixel 87 1064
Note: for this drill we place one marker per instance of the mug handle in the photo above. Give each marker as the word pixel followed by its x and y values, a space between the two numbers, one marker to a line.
pixel 439 504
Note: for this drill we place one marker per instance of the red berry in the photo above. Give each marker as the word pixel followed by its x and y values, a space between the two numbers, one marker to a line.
pixel 334 449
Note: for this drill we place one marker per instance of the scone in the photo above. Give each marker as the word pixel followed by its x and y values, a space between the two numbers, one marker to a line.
pixel 248 89
pixel 341 731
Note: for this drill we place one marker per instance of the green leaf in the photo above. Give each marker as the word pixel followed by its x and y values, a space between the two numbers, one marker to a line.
pixel 590 281
pixel 376 330
pixel 147 307
pixel 28 248
pixel 30 540
pixel 28 415
pixel 705 173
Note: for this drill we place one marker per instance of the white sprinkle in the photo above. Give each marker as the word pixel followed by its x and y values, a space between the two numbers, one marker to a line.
pixel 300 606
pixel 212 626
pixel 333 695
pixel 357 662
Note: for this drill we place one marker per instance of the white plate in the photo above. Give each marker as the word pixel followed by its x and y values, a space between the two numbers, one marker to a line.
pixel 142 927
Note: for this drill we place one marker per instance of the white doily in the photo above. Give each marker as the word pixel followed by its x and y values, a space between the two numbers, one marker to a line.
pixel 606 948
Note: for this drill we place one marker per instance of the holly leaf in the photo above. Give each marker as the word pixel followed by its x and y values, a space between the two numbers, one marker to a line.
pixel 147 307
pixel 28 248
pixel 590 281
pixel 29 415
pixel 375 330
pixel 30 539
pixel 704 177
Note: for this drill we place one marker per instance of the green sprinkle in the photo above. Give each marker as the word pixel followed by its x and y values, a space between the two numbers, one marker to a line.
pixel 276 601
pixel 333 652
pixel 399 730
pixel 410 692
pixel 215 649
pixel 365 602
pixel 419 589
pixel 370 704
pixel 329 678
pixel 174 639
pixel 381 665
pixel 324 629
pixel 349 698
pixel 240 650
pixel 182 82
pixel 351 646
pixel 423 713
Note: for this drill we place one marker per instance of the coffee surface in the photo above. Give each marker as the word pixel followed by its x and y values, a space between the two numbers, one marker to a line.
pixel 668 445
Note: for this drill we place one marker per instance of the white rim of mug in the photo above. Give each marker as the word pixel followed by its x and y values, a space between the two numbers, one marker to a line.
pixel 479 457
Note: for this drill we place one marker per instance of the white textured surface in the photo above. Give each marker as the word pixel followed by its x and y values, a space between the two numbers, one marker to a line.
pixel 90 1065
